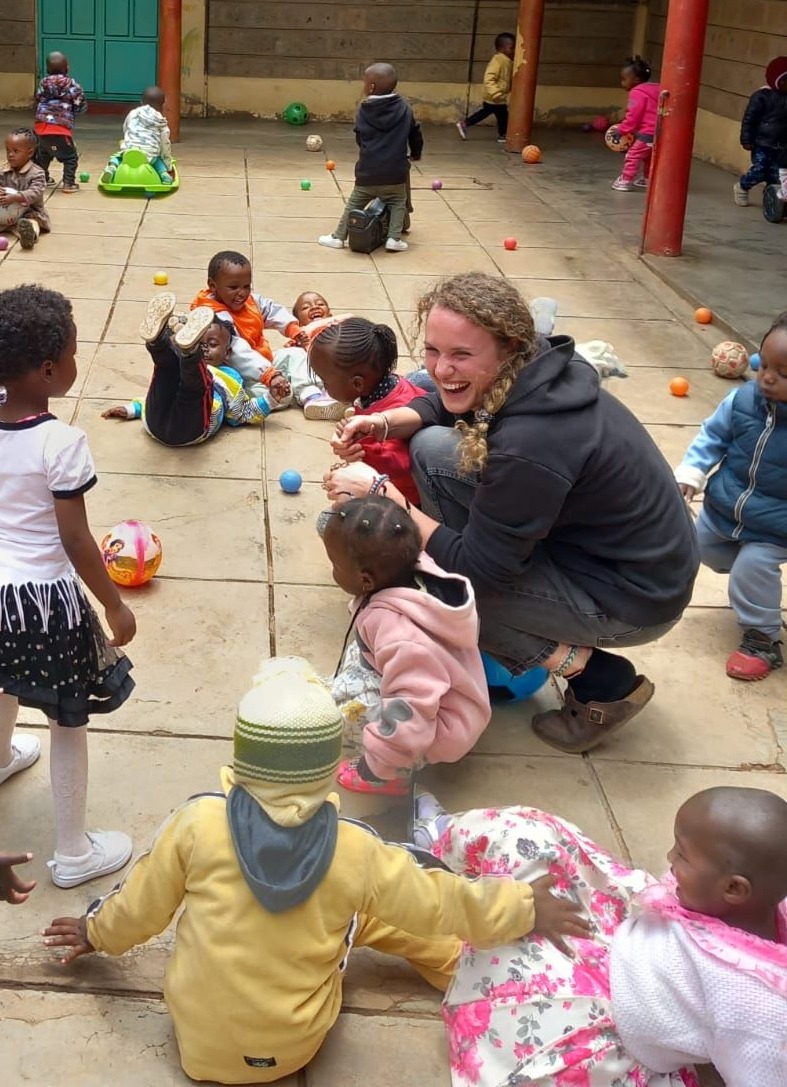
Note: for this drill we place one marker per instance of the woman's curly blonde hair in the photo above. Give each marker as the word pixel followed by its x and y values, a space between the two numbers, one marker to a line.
pixel 495 305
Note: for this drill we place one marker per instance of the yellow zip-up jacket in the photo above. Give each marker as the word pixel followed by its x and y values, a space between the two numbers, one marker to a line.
pixel 497 79
pixel 252 993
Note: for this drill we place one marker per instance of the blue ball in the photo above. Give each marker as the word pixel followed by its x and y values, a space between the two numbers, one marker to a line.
pixel 290 481
pixel 754 361
pixel 505 687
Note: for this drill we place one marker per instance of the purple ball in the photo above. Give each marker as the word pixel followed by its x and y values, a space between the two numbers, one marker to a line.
pixel 587 127
pixel 437 184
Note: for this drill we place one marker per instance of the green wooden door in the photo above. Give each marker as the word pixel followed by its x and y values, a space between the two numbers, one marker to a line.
pixel 111 45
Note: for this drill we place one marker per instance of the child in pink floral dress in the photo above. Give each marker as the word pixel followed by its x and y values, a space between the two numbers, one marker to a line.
pixel 690 970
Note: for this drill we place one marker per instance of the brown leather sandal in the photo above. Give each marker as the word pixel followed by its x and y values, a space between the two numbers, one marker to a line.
pixel 580 726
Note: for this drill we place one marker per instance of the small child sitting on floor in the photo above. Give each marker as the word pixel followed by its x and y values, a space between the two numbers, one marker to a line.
pixel 412 677
pixel 742 528
pixel 145 129
pixel 691 970
pixel 22 188
pixel 312 313
pixel 193 390
pixel 276 889
pixel 355 360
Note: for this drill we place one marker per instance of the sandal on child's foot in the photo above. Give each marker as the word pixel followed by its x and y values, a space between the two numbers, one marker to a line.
pixel 349 779
pixel 159 311
pixel 196 325
pixel 755 658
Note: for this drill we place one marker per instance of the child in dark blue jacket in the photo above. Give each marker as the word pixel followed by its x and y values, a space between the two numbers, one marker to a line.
pixel 384 129
pixel 764 132
pixel 742 528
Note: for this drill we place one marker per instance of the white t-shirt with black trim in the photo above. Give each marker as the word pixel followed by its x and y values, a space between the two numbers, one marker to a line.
pixel 41 459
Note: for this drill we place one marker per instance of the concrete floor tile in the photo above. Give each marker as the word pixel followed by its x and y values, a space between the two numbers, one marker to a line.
pixel 529 263
pixel 135 783
pixel 698 716
pixel 190 253
pixel 75 280
pixel 639 343
pixel 645 801
pixel 196 227
pixel 294 442
pixel 85 249
pixel 362 1052
pixel 308 258
pixel 422 257
pixel 108 221
pixel 193 201
pixel 298 554
pixel 560 784
pixel 311 622
pixel 323 185
pixel 185 282
pixel 598 300
pixel 124 447
pixel 646 392
pixel 490 233
pixel 288 229
pixel 120 371
pixel 90 317
pixel 199 525
pixel 481 208
pixel 509 731
pixel 323 210
pixel 80 1035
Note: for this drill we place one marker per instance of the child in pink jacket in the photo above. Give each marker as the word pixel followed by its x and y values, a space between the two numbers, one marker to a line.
pixel 411 676
pixel 640 122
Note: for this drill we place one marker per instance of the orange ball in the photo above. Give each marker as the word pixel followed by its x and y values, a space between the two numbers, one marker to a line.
pixel 531 154
pixel 679 386
pixel 703 316
pixel 330 165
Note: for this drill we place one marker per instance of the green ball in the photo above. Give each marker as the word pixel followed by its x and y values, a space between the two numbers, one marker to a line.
pixel 296 113
pixel 306 185
pixel 84 176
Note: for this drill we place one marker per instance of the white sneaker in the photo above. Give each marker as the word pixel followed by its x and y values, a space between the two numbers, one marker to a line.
pixel 641 183
pixel 111 850
pixel 461 128
pixel 322 406
pixel 160 309
pixel 429 820
pixel 396 245
pixel 740 195
pixel 194 327
pixel 619 185
pixel 330 241
pixel 25 750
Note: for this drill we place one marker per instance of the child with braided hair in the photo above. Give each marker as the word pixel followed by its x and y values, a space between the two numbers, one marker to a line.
pixel 411 676
pixel 355 361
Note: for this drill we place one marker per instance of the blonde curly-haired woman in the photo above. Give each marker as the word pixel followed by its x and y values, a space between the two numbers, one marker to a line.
pixel 547 493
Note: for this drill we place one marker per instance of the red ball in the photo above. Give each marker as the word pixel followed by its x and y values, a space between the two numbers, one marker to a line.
pixel 509 243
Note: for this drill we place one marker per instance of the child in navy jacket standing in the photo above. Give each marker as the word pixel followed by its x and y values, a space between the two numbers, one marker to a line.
pixel 764 132
pixel 384 129
pixel 742 528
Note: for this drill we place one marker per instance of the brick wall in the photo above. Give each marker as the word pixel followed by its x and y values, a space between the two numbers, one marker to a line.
pixel 743 35
pixel 17 36
pixel 429 41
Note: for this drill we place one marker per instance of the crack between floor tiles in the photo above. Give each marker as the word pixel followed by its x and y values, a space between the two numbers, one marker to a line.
pixel 607 806
pixel 74 990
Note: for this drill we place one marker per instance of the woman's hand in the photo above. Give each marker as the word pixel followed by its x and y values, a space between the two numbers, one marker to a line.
pixel 122 624
pixel 557 917
pixel 345 483
pixel 349 432
pixel 687 491
pixel 69 932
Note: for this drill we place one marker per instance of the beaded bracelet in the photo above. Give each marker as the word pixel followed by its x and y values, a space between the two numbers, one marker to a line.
pixel 568 660
pixel 378 485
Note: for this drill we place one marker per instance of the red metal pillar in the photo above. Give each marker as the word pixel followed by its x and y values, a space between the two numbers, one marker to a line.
pixel 523 85
pixel 665 211
pixel 169 60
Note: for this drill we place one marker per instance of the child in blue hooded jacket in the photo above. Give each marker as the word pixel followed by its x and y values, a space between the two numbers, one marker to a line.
pixel 742 528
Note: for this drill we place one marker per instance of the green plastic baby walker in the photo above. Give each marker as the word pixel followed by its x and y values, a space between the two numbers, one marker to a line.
pixel 136 177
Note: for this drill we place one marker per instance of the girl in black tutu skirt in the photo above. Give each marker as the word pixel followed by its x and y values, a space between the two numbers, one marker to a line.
pixel 54 655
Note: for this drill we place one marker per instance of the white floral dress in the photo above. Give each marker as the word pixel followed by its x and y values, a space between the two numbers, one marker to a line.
pixel 526 1014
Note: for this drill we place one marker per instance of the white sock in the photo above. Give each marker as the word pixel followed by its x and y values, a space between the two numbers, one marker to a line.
pixel 9 709
pixel 68 773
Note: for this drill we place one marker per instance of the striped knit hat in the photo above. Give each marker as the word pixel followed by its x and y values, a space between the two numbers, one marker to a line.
pixel 288 729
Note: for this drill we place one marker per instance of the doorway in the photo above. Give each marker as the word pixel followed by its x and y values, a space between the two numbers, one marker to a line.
pixel 111 45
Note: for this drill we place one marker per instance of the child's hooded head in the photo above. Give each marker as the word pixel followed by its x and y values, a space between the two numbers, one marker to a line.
pixel 776 75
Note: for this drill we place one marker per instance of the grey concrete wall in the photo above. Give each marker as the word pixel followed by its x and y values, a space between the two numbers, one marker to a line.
pixel 427 40
pixel 17 36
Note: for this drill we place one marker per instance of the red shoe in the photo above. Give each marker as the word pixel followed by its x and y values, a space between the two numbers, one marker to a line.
pixel 755 658
pixel 348 777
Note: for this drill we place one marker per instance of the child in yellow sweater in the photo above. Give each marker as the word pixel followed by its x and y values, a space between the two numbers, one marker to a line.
pixel 276 889
pixel 497 85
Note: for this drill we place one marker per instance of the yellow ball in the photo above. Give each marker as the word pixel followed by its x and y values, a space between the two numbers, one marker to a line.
pixel 161 279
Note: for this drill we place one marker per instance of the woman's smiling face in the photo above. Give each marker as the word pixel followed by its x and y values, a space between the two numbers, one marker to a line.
pixel 463 358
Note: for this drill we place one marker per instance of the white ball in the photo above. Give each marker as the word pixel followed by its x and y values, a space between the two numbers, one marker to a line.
pixel 9 215
pixel 729 359
pixel 314 143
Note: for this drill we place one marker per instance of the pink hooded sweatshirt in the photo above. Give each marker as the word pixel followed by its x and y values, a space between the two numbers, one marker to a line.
pixel 423 643
pixel 642 110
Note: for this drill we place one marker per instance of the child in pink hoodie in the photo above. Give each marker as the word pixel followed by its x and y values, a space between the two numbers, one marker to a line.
pixel 411 675
pixel 640 122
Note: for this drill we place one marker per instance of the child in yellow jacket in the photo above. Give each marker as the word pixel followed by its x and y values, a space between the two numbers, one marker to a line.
pixel 497 85
pixel 276 889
